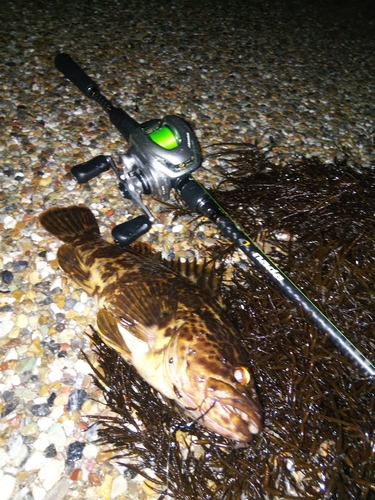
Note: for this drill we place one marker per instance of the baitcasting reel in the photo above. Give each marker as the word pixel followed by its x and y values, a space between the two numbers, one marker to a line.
pixel 161 156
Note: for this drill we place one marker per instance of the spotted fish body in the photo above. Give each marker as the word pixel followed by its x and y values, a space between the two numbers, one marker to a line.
pixel 170 329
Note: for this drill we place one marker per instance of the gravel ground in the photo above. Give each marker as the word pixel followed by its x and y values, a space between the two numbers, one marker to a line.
pixel 294 78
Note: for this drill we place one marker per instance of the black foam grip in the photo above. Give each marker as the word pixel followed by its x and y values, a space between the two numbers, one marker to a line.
pixel 84 172
pixel 129 231
pixel 69 68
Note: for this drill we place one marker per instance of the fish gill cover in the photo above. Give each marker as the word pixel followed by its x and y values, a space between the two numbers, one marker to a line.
pixel 317 222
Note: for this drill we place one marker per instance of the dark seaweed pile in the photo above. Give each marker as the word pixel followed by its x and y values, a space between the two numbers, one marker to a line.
pixel 319 434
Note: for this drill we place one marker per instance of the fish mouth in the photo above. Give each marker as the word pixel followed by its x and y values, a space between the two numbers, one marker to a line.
pixel 236 418
pixel 233 418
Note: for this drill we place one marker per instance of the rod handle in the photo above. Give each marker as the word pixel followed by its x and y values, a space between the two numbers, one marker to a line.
pixel 69 68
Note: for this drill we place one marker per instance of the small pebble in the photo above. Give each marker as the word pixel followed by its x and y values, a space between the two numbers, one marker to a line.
pixel 11 354
pixel 50 473
pixel 30 429
pixel 38 493
pixel 26 365
pixel 41 442
pixel 9 222
pixel 22 320
pixel 51 399
pixel 54 346
pixel 40 410
pixel 15 443
pixel 90 451
pixel 44 423
pixel 20 265
pixel 74 451
pixel 7 277
pixel 36 461
pixel 50 451
pixel 15 422
pixel 6 327
pixel 7 484
pixel 59 490
pixel 69 304
pixel 68 426
pixel 76 475
pixel 26 393
pixel 7 396
pixel 106 487
pixel 79 307
pixel 21 456
pixel 94 478
pixel 92 433
pixel 23 494
pixel 8 408
pixel 76 399
pixel 36 238
pixel 119 486
pixel 56 435
pixel 82 366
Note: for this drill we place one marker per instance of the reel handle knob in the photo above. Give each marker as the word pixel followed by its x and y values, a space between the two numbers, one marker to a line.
pixel 92 168
pixel 129 231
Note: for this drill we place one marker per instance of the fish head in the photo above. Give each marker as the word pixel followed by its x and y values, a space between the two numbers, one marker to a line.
pixel 213 384
pixel 228 410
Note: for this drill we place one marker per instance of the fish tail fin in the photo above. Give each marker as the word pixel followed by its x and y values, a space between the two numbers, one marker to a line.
pixel 68 223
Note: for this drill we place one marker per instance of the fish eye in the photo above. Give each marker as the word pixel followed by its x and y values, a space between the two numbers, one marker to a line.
pixel 242 375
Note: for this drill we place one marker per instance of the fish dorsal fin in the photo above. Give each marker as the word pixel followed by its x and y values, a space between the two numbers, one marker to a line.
pixel 204 273
pixel 146 249
pixel 144 309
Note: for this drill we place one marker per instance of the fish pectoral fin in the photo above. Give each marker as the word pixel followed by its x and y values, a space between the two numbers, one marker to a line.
pixel 108 329
pixel 70 263
pixel 144 309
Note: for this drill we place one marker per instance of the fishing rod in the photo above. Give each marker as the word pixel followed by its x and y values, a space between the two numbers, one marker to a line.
pixel 163 154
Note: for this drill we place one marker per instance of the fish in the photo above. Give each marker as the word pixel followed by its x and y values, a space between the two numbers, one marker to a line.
pixel 163 319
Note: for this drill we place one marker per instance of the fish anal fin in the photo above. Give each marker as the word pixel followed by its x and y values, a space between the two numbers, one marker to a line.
pixel 203 274
pixel 69 262
pixel 109 332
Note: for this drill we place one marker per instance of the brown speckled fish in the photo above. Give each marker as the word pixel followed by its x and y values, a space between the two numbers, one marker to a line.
pixel 168 327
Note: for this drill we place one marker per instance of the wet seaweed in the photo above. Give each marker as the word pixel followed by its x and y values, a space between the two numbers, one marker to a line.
pixel 318 440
